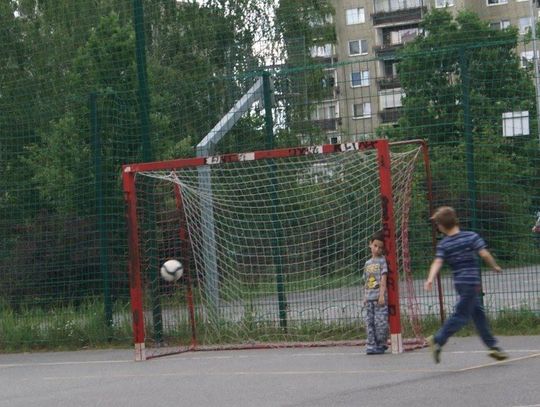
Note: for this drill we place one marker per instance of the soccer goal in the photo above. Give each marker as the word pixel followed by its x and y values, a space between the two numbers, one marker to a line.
pixel 272 243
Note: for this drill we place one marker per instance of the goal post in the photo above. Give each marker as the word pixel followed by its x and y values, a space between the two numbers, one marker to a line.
pixel 389 231
pixel 290 231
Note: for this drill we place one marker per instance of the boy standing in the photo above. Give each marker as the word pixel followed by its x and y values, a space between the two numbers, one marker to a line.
pixel 460 249
pixel 376 319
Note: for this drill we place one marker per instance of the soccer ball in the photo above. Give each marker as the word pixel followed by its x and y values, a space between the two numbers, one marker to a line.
pixel 171 270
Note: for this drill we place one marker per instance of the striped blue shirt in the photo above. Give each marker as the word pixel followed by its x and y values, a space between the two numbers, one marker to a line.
pixel 460 253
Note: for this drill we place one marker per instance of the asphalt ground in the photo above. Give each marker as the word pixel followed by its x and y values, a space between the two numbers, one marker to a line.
pixel 333 376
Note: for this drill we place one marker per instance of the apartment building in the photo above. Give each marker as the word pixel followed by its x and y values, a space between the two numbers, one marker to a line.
pixel 364 86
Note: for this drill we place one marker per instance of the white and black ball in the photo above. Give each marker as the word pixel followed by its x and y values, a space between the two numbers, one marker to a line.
pixel 171 270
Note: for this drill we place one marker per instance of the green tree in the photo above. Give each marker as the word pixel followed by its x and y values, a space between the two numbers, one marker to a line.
pixel 302 25
pixel 194 65
pixel 62 159
pixel 458 80
pixel 190 52
pixel 430 71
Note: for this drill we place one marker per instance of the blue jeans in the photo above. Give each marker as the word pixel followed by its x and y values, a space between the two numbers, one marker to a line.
pixel 468 306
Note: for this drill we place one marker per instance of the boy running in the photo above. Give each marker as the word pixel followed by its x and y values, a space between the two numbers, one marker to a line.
pixel 460 249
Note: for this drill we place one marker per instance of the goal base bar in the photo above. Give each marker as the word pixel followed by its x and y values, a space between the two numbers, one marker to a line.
pixel 406 346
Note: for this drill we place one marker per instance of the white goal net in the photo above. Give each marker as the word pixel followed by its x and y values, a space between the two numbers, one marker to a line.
pixel 273 248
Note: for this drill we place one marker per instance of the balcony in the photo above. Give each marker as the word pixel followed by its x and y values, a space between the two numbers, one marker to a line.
pixel 387 12
pixel 390 115
pixel 388 82
pixel 328 124
pixel 386 51
pixel 324 53
pixel 330 93
pixel 330 90
pixel 394 38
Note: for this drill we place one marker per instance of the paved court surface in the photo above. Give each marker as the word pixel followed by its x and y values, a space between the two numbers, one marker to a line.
pixel 309 377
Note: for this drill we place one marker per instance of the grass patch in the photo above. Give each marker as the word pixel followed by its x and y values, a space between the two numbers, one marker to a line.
pixel 505 322
pixel 83 326
pixel 520 322
pixel 65 328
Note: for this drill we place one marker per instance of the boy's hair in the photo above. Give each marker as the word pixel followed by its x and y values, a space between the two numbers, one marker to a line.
pixel 446 217
pixel 377 236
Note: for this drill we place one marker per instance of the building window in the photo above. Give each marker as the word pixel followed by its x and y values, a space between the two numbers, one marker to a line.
pixel 385 6
pixel 329 84
pixel 359 78
pixel 444 3
pixel 515 124
pixel 361 110
pixel 329 79
pixel 358 47
pixel 527 58
pixel 500 25
pixel 404 35
pixel 495 2
pixel 524 25
pixel 334 139
pixel 390 99
pixel 322 51
pixel 325 112
pixel 390 68
pixel 321 21
pixel 355 16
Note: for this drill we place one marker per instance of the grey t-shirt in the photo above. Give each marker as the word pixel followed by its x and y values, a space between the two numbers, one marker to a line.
pixel 373 271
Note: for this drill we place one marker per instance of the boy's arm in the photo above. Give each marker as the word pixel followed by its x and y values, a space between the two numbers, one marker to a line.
pixel 364 285
pixel 382 289
pixel 436 266
pixel 490 261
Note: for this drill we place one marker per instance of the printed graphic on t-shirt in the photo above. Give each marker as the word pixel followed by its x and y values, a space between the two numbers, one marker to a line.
pixel 372 270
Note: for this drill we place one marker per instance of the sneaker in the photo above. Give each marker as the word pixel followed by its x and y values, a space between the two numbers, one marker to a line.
pixel 497 353
pixel 435 349
pixel 374 351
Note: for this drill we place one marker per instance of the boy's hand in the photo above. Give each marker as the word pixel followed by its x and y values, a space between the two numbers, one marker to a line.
pixel 428 285
pixel 434 269
pixel 381 301
pixel 490 261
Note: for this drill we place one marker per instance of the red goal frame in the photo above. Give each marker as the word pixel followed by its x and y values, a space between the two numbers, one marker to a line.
pixel 382 148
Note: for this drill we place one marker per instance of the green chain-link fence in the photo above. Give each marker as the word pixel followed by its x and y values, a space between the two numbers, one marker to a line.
pixel 88 86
